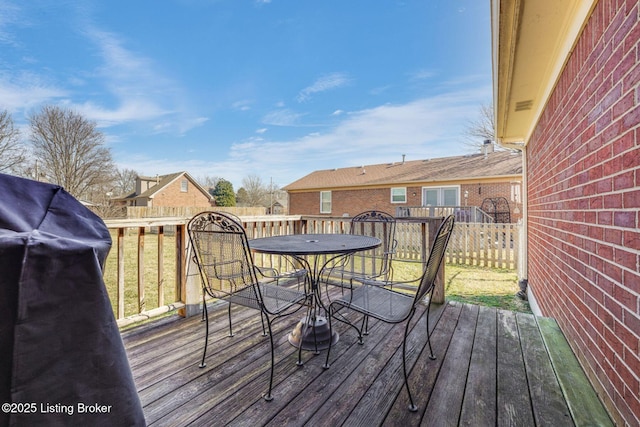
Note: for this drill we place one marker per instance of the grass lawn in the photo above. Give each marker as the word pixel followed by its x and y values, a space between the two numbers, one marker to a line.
pixel 475 285
pixel 150 272
pixel 484 286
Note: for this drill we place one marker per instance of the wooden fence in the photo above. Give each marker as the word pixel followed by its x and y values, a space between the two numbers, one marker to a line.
pixel 485 245
pixel 134 212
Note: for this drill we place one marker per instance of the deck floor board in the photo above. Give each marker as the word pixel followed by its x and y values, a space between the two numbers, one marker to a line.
pixel 491 367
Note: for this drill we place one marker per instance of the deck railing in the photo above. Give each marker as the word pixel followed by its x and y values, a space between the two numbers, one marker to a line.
pixel 148 272
pixel 461 213
pixel 134 295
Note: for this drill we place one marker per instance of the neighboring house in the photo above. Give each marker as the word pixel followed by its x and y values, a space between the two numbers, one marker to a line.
pixel 276 208
pixel 173 190
pixel 449 181
pixel 567 93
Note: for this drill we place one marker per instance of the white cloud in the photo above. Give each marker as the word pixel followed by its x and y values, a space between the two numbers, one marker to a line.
pixel 422 75
pixel 243 105
pixel 283 117
pixel 379 90
pixel 10 14
pixel 324 83
pixel 142 94
pixel 26 90
pixel 132 110
pixel 425 128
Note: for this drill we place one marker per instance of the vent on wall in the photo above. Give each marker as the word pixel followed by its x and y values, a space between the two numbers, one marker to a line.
pixel 524 105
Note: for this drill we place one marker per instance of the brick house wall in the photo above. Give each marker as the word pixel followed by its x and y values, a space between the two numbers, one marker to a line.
pixel 351 202
pixel 583 186
pixel 172 195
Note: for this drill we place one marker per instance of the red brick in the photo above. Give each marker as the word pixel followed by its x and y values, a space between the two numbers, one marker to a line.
pixel 631 159
pixel 625 219
pixel 605 218
pixel 631 239
pixel 632 79
pixel 604 185
pixel 623 143
pixel 631 199
pixel 631 119
pixel 624 181
pixel 624 104
pixel 626 258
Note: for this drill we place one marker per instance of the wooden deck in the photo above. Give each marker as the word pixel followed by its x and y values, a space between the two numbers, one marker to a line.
pixel 492 368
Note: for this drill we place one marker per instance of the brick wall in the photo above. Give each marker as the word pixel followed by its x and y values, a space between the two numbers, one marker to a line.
pixel 352 202
pixel 172 196
pixel 584 199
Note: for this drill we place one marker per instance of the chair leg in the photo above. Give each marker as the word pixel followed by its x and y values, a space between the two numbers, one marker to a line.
pixel 316 351
pixel 230 327
pixel 412 405
pixel 365 325
pixel 204 304
pixel 358 330
pixel 264 331
pixel 268 397
pixel 205 313
pixel 431 356
pixel 304 333
pixel 326 362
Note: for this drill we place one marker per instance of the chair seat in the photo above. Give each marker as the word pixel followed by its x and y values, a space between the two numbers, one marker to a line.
pixel 379 303
pixel 276 299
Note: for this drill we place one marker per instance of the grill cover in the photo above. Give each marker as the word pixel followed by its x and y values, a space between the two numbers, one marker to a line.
pixel 62 360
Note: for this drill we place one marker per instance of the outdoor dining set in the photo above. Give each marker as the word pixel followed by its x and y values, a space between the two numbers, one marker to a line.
pixel 328 278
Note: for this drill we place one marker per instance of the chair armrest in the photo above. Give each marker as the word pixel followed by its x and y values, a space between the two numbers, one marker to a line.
pixel 268 272
pixel 272 275
pixel 402 284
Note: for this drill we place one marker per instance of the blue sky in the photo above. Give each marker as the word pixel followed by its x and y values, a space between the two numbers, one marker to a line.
pixel 274 88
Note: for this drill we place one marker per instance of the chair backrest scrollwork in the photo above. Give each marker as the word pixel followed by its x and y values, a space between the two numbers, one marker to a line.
pixel 221 251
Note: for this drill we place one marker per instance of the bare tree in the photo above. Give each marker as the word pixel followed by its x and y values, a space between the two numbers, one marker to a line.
pixel 257 193
pixel 208 181
pixel 71 151
pixel 482 128
pixel 124 182
pixel 11 149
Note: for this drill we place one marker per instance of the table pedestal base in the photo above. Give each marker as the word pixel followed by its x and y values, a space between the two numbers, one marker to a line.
pixel 316 336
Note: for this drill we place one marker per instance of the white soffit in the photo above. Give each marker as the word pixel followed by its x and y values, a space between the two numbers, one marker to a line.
pixel 532 40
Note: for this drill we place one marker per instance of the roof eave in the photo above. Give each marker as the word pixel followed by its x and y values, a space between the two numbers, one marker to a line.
pixel 531 43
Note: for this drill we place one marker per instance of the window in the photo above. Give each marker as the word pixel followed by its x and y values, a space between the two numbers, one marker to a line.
pixel 441 196
pixel 184 186
pixel 399 195
pixel 325 202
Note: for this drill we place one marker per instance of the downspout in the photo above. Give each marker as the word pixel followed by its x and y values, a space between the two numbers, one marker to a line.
pixel 523 271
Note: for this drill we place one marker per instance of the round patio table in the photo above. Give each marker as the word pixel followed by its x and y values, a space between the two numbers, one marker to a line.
pixel 314 252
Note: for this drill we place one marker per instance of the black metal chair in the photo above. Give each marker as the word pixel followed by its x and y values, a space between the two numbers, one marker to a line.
pixel 374 263
pixel 375 298
pixel 222 254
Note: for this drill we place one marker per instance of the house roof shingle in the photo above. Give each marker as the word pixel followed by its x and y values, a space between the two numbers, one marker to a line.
pixel 496 164
pixel 163 181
